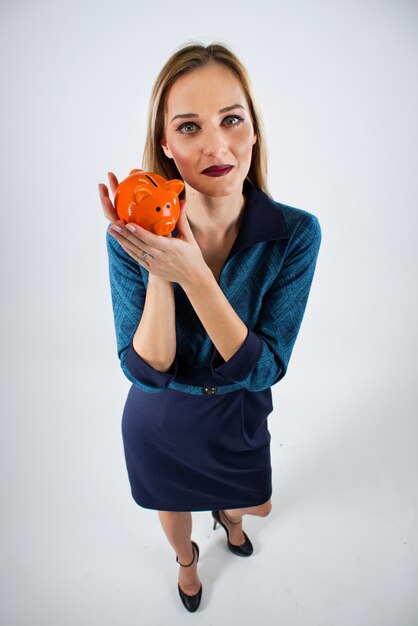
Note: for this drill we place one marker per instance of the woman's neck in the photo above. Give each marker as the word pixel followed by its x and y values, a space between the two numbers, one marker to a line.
pixel 214 218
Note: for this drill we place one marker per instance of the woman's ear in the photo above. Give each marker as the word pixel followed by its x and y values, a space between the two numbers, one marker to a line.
pixel 255 138
pixel 166 149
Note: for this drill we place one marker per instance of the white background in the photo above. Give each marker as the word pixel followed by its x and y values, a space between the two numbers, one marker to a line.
pixel 337 83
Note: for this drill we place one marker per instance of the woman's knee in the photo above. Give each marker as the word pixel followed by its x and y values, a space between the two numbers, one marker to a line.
pixel 174 513
pixel 265 509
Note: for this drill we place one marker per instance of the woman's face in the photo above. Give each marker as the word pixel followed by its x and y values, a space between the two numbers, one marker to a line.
pixel 202 135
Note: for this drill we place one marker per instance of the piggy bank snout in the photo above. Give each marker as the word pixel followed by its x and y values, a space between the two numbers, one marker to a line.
pixel 164 226
pixel 166 211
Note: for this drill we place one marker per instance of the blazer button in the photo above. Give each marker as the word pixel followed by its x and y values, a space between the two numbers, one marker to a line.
pixel 209 390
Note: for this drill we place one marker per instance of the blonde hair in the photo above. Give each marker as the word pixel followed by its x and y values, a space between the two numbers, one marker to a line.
pixel 183 61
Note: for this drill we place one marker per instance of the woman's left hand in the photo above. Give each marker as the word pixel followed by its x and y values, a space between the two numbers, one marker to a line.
pixel 175 259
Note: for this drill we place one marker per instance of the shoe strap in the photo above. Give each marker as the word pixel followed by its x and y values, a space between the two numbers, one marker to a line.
pixel 177 558
pixel 230 521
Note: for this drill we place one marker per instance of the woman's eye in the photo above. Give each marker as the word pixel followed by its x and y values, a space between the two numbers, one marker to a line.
pixel 180 128
pixel 238 118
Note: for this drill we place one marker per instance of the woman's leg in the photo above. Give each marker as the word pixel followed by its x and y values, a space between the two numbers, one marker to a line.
pixel 178 528
pixel 232 518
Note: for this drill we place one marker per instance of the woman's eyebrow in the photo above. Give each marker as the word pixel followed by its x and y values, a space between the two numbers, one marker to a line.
pixel 233 106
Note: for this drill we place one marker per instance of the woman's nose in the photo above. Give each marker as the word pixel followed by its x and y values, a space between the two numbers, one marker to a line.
pixel 214 142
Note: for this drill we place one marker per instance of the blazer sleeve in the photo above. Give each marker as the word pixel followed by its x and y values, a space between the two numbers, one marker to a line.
pixel 263 358
pixel 128 298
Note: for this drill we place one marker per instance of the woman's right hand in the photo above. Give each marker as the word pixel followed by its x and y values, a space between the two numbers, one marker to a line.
pixel 107 204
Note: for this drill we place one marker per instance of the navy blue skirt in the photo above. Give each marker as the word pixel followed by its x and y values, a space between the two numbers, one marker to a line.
pixel 189 452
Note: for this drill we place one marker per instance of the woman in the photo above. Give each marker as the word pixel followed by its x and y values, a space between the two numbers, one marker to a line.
pixel 206 319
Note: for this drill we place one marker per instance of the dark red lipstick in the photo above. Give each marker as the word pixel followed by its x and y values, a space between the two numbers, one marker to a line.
pixel 217 170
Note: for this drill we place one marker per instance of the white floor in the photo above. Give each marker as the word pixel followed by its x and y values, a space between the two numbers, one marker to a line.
pixel 340 546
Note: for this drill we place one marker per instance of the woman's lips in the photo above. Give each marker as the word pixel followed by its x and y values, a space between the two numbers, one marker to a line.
pixel 218 171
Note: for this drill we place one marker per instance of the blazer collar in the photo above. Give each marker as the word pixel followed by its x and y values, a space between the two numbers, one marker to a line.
pixel 262 220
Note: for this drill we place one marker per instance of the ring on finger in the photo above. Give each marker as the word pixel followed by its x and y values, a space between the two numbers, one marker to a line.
pixel 145 254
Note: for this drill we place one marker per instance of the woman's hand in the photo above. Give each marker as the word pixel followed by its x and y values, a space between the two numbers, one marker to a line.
pixel 107 204
pixel 175 259
pixel 111 214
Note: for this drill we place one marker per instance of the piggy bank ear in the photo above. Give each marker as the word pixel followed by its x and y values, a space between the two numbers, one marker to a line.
pixel 141 192
pixel 174 185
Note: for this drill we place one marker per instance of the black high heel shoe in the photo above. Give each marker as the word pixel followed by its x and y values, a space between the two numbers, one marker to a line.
pixel 246 549
pixel 190 602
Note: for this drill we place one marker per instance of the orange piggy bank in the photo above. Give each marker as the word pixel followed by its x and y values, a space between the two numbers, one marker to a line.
pixel 149 200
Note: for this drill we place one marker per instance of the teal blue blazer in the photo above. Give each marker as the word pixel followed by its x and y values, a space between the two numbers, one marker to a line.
pixel 266 278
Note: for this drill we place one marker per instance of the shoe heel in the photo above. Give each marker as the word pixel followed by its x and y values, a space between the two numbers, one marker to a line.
pixel 215 523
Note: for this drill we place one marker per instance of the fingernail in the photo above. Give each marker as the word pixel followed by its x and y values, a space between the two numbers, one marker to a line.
pixel 116 228
pixel 130 227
